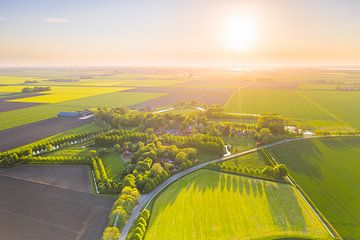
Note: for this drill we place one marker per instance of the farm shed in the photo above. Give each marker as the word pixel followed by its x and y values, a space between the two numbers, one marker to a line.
pixel 68 114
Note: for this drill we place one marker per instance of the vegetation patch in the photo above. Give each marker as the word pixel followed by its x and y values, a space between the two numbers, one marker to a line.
pixel 212 205
pixel 328 171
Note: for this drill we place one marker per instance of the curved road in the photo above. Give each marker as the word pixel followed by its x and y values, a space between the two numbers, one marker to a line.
pixel 145 199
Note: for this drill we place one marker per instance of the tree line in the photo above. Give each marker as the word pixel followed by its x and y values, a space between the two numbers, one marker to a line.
pixel 11 158
pixel 104 183
pixel 277 172
pixel 35 89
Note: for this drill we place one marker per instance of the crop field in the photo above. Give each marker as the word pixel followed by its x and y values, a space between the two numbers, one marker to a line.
pixel 213 205
pixel 31 210
pixel 174 95
pixel 328 170
pixel 4 79
pixel 116 99
pixel 72 177
pixel 29 133
pixel 255 160
pixel 61 94
pixel 319 108
pixel 14 118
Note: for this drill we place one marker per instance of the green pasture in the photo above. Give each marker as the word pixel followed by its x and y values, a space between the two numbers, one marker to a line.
pixel 328 170
pixel 240 143
pixel 317 108
pixel 208 205
pixel 255 160
pixel 114 164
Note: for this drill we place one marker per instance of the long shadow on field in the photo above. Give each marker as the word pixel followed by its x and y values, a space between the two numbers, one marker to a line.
pixel 341 143
pixel 284 208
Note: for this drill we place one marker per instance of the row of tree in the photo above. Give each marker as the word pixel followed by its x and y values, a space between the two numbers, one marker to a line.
pixel 104 183
pixel 35 89
pixel 202 142
pixel 137 231
pixel 277 172
pixel 11 158
pixel 121 136
pixel 123 206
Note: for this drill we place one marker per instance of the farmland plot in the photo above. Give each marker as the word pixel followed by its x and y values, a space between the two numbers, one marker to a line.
pixel 213 205
pixel 329 172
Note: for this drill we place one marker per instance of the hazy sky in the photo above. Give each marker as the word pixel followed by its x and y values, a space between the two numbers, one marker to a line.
pixel 182 32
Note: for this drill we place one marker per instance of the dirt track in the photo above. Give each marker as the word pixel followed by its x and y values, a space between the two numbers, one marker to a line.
pixel 34 211
pixel 28 133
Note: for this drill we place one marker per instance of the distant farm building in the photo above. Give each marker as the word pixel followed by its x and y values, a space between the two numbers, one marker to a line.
pixel 69 114
pixel 77 114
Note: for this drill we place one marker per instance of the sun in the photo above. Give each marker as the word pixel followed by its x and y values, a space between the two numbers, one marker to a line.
pixel 240 33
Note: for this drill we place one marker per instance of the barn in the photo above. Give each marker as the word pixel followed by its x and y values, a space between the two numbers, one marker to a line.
pixel 69 114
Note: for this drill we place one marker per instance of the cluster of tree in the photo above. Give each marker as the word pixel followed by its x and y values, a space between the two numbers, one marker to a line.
pixel 147 173
pixel 229 129
pixel 35 89
pixel 278 172
pixel 120 136
pixel 31 81
pixel 122 117
pixel 274 123
pixel 104 183
pixel 202 142
pixel 123 206
pixel 137 231
pixel 111 233
pixel 8 159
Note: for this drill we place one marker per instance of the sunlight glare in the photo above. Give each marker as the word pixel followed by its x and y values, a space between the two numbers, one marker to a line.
pixel 240 33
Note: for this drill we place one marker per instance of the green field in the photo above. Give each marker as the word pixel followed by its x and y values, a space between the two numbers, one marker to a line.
pixel 240 143
pixel 114 164
pixel 210 205
pixel 255 160
pixel 319 108
pixel 328 170
pixel 23 116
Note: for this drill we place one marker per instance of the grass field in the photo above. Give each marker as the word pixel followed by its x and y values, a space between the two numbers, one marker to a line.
pixel 328 170
pixel 253 160
pixel 113 164
pixel 240 143
pixel 319 108
pixel 210 205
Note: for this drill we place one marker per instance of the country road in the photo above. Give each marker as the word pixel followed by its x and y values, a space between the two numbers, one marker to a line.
pixel 145 199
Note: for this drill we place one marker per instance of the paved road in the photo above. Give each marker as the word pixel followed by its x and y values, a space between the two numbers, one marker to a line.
pixel 145 199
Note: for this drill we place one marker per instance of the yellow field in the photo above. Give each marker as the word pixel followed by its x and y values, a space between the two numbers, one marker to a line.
pixel 11 89
pixel 62 94
pixel 15 79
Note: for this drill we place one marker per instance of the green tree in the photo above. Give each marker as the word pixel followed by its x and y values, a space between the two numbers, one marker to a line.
pixel 111 233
